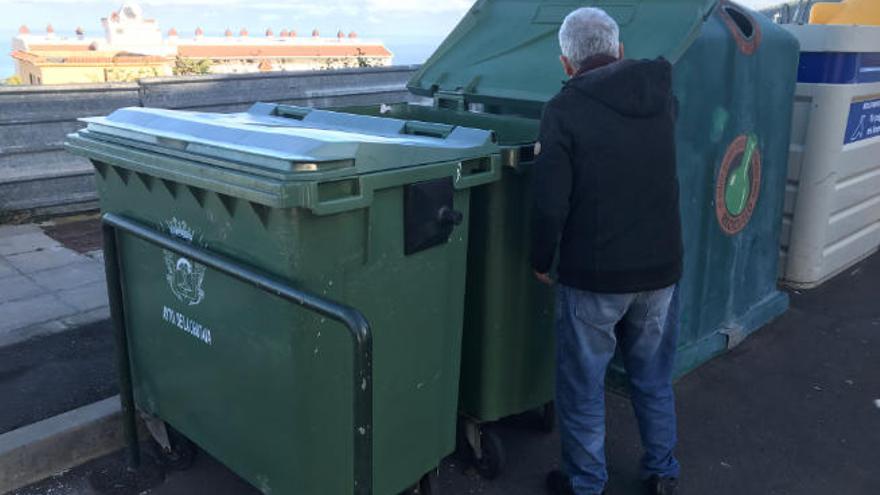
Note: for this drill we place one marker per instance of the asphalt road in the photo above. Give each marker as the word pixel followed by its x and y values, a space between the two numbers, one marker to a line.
pixel 793 410
pixel 50 375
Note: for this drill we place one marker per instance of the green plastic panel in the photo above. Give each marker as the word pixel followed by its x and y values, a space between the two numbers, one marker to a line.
pixel 507 50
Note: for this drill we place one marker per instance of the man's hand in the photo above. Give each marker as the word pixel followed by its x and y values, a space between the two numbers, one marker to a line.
pixel 544 278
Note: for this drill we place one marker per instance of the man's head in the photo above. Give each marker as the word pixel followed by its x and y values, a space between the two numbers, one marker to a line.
pixel 585 33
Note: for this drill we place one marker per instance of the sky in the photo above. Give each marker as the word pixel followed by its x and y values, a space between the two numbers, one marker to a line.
pixel 412 29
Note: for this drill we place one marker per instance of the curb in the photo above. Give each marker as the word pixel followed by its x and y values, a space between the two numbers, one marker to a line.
pixel 37 451
pixel 56 326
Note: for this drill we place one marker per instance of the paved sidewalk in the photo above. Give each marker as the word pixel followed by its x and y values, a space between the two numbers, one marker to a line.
pixel 794 410
pixel 45 286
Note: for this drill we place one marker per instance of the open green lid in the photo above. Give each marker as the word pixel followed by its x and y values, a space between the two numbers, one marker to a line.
pixel 508 50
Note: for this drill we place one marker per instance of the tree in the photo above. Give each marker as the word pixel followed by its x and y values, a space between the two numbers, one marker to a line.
pixel 191 67
pixel 12 81
pixel 130 74
pixel 362 60
pixel 332 63
pixel 359 60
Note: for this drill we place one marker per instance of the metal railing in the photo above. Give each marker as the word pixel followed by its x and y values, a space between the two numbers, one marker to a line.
pixel 791 12
pixel 355 322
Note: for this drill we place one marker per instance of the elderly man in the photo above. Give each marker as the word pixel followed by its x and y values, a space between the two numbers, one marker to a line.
pixel 606 196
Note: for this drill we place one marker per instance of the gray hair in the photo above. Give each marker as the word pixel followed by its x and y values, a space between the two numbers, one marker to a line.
pixel 587 32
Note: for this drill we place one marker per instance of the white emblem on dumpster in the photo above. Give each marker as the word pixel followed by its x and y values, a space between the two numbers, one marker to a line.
pixel 184 276
pixel 188 325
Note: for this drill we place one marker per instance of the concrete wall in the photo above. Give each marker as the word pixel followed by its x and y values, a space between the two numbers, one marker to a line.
pixel 37 177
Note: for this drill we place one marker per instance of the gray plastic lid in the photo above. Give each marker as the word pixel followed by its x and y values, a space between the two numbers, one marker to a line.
pixel 288 139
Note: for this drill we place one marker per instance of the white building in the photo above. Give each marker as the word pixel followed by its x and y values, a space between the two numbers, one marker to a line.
pixel 133 46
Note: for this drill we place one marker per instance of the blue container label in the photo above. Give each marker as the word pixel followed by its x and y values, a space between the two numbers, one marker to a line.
pixel 839 68
pixel 864 121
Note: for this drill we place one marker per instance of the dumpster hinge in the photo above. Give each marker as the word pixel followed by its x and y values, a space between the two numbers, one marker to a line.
pixel 450 100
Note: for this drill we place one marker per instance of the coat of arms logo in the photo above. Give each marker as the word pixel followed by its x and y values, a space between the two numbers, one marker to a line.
pixel 184 276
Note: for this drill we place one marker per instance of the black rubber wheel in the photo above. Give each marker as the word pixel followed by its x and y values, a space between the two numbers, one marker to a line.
pixel 547 418
pixel 491 463
pixel 182 453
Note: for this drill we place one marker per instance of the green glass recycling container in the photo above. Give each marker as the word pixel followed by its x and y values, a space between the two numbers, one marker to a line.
pixel 734 76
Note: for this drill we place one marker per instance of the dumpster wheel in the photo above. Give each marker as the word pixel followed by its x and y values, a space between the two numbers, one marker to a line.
pixel 172 449
pixel 484 448
pixel 493 456
pixel 491 462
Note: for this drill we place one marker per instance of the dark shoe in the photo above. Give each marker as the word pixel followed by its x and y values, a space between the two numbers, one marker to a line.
pixel 559 484
pixel 659 485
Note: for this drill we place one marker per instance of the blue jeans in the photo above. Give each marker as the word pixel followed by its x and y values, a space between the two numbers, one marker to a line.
pixel 589 327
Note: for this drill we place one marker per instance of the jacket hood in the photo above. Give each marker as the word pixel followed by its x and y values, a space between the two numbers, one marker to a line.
pixel 634 88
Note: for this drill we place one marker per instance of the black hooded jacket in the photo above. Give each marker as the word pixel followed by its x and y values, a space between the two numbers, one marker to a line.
pixel 606 188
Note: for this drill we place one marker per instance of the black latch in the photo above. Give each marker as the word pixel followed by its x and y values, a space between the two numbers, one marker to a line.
pixel 448 216
pixel 429 214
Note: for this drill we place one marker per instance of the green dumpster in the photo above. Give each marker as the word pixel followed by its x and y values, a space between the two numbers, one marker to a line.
pixel 345 215
pixel 508 350
pixel 734 76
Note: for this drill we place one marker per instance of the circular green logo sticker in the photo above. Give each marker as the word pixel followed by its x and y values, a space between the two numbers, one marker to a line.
pixel 739 184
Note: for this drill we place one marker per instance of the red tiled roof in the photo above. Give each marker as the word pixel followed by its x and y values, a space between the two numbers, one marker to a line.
pixel 59 48
pixel 121 59
pixel 256 51
pixel 27 57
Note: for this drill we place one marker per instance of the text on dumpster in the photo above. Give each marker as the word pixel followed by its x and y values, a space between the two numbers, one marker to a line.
pixel 187 324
